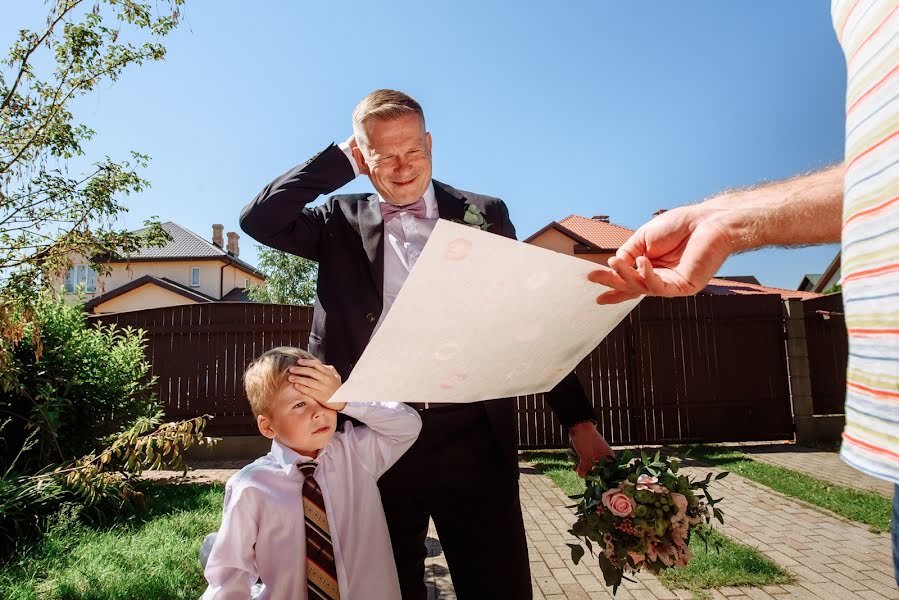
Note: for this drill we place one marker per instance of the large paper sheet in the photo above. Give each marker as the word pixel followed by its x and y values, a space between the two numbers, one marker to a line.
pixel 482 316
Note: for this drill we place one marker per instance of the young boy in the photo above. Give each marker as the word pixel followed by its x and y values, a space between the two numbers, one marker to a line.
pixel 306 518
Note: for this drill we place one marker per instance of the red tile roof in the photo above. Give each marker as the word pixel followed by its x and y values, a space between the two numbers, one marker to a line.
pixel 599 233
pixel 727 287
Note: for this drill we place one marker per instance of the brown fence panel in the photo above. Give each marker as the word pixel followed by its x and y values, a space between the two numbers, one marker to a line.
pixel 828 350
pixel 698 369
pixel 199 352
pixel 708 368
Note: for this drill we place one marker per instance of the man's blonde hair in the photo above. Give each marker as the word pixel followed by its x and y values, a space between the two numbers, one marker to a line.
pixel 266 375
pixel 383 105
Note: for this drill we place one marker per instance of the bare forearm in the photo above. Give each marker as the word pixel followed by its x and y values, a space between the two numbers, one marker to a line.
pixel 798 211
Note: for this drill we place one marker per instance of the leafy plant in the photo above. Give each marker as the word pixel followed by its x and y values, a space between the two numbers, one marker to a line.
pixel 289 279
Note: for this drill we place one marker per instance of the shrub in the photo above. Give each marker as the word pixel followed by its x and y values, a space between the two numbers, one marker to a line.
pixel 80 421
pixel 71 386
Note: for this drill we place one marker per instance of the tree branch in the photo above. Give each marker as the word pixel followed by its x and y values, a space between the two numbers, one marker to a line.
pixel 35 46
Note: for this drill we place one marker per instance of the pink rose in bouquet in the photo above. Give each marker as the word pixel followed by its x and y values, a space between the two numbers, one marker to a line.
pixel 618 503
pixel 641 514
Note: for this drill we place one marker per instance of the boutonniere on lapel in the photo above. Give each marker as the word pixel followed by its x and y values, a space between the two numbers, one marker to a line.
pixel 473 217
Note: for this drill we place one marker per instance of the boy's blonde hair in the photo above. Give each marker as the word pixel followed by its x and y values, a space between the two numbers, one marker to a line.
pixel 266 375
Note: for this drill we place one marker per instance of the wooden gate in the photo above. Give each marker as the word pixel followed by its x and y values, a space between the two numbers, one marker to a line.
pixel 704 368
pixel 828 350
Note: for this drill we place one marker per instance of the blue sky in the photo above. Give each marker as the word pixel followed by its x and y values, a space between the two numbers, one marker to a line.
pixel 585 107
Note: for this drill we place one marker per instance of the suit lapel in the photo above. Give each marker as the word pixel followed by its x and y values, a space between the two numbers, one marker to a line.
pixel 371 229
pixel 450 203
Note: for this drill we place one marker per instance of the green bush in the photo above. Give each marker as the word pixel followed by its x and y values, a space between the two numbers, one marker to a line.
pixel 71 386
pixel 78 419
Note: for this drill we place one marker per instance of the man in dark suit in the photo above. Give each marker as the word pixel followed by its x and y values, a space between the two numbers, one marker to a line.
pixel 463 470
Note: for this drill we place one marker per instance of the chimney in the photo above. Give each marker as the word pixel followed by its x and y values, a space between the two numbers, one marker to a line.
pixel 660 211
pixel 232 243
pixel 217 235
pixel 603 218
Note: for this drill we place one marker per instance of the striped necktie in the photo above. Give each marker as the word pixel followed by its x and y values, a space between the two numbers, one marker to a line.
pixel 321 569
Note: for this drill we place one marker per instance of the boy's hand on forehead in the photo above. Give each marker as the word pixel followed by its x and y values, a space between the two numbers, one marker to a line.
pixel 316 380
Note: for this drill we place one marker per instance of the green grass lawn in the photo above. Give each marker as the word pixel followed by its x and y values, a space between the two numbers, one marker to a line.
pixel 152 555
pixel 735 564
pixel 869 508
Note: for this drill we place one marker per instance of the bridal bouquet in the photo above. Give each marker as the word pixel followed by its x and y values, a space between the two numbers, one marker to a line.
pixel 640 514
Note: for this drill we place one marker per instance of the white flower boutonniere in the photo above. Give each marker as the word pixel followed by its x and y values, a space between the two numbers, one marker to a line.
pixel 474 218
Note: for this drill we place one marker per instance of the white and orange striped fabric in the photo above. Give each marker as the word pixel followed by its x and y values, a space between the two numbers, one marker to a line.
pixel 868 31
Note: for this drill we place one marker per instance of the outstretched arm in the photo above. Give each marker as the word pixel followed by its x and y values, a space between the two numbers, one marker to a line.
pixel 677 253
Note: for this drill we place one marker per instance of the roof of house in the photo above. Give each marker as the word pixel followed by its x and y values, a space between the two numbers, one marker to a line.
pixel 832 271
pixel 162 282
pixel 601 234
pixel 727 287
pixel 741 278
pixel 237 295
pixel 186 245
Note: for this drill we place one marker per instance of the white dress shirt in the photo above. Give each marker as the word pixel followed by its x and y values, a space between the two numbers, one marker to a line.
pixel 263 531
pixel 405 237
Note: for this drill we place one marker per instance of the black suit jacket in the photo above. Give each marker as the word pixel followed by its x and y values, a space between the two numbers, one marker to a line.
pixel 345 236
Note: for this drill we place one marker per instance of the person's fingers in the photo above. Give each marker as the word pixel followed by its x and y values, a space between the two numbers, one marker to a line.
pixel 615 296
pixel 313 364
pixel 634 282
pixel 308 381
pixel 607 277
pixel 310 372
pixel 304 395
pixel 655 284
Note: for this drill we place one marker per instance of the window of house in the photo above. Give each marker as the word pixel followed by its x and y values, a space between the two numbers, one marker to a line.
pixel 246 282
pixel 195 276
pixel 81 275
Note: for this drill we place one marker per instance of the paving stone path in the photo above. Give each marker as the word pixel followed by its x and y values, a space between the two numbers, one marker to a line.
pixel 830 557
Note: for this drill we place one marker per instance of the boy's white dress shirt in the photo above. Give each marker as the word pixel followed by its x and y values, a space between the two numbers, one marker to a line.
pixel 263 533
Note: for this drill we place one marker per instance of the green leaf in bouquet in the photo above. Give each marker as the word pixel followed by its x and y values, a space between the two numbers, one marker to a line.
pixel 581 528
pixel 657 456
pixel 627 456
pixel 718 515
pixel 577 553
pixel 611 574
pixel 722 475
pixel 589 546
pixel 674 466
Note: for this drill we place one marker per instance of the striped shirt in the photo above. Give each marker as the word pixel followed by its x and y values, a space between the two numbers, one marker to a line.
pixel 868 31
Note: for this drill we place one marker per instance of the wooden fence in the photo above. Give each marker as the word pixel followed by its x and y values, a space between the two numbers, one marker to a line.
pixel 706 368
pixel 828 350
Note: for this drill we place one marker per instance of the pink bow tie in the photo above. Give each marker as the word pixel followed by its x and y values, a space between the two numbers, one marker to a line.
pixel 416 209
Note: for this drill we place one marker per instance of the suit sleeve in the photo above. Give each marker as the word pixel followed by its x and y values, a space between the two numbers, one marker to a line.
pixel 567 399
pixel 278 216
